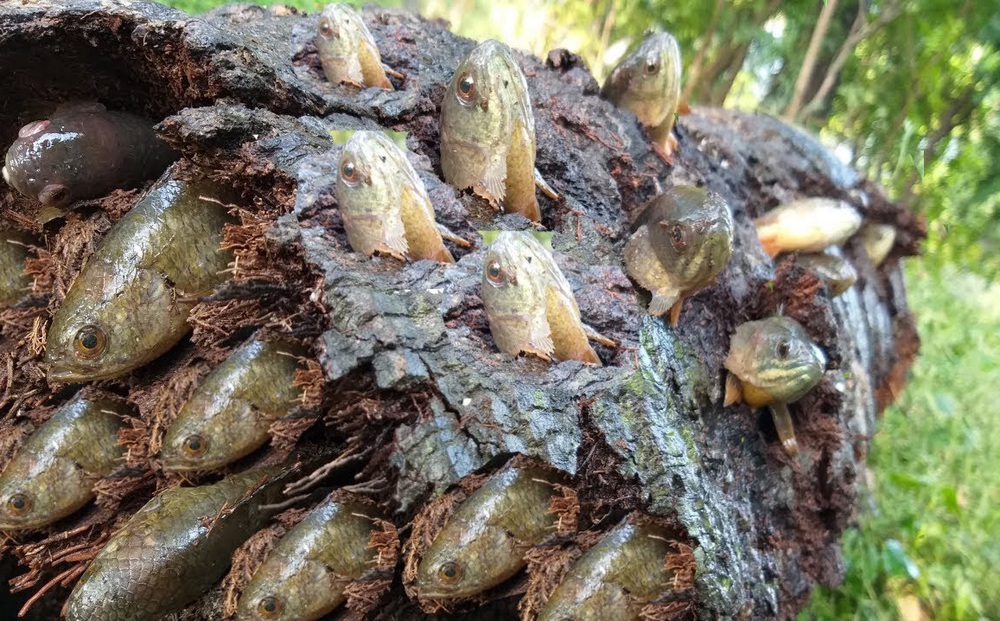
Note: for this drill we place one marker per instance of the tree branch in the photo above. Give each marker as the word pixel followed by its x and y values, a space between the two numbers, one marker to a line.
pixel 809 62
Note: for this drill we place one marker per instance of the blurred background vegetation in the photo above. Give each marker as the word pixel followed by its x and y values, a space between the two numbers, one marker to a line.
pixel 908 92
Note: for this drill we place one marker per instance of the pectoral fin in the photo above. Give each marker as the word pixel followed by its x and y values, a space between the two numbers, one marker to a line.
pixel 452 237
pixel 786 430
pixel 734 390
pixel 663 300
pixel 544 186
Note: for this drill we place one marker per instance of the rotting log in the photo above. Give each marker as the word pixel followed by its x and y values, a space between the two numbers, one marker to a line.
pixel 409 383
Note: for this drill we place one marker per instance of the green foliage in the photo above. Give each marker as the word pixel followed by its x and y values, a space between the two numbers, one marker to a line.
pixel 932 531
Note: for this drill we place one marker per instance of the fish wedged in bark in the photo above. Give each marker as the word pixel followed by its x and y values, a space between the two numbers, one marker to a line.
pixel 229 414
pixel 348 50
pixel 84 151
pixel 53 473
pixel 616 578
pixel 384 204
pixel 488 131
pixel 529 303
pixel 14 252
pixel 681 241
pixel 131 301
pixel 305 574
pixel 175 548
pixel 807 225
pixel 773 362
pixel 835 271
pixel 484 542
pixel 647 82
pixel 877 240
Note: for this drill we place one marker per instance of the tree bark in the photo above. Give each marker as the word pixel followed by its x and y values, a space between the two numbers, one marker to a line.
pixel 414 393
pixel 809 62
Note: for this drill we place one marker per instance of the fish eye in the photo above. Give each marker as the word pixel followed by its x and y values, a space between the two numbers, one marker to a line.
pixel 18 504
pixel 349 172
pixel 89 342
pixel 782 349
pixel 466 88
pixel 677 235
pixel 195 445
pixel 324 29
pixel 494 272
pixel 652 66
pixel 269 607
pixel 449 572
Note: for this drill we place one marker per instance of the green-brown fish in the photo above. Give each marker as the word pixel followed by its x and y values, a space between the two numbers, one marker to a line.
pixel 174 549
pixel 131 301
pixel 228 415
pixel 836 272
pixel 84 151
pixel 647 82
pixel 530 304
pixel 14 283
pixel 54 472
pixel 680 243
pixel 383 202
pixel 484 542
pixel 305 574
pixel 807 225
pixel 488 131
pixel 877 240
pixel 347 49
pixel 623 572
pixel 773 362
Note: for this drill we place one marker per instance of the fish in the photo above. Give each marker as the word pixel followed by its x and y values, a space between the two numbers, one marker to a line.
pixel 647 82
pixel 835 271
pixel 14 251
pixel 84 151
pixel 53 473
pixel 488 131
pixel 384 204
pixel 680 242
pixel 530 304
pixel 877 240
pixel 348 50
pixel 175 548
pixel 773 362
pixel 304 576
pixel 484 542
pixel 807 225
pixel 131 301
pixel 229 414
pixel 615 578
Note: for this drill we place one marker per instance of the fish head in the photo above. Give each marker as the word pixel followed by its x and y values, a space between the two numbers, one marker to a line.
pixel 211 431
pixel 368 174
pixel 776 357
pixel 484 99
pixel 514 286
pixel 691 232
pixel 338 35
pixel 34 492
pixel 647 82
pixel 287 590
pixel 32 165
pixel 459 566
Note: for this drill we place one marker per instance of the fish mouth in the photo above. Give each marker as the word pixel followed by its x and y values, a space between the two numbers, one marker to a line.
pixel 66 375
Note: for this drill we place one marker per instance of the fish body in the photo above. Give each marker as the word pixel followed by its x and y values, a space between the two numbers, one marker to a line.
pixel 14 283
pixel 681 241
pixel 347 49
pixel 84 151
pixel 228 415
pixel 623 572
pixel 529 303
pixel 131 301
pixel 877 240
pixel 54 472
pixel 488 131
pixel 835 271
pixel 807 225
pixel 647 82
pixel 305 574
pixel 174 549
pixel 484 542
pixel 383 202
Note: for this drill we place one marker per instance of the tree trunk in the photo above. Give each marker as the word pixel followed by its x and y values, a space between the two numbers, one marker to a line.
pixel 809 62
pixel 693 71
pixel 412 389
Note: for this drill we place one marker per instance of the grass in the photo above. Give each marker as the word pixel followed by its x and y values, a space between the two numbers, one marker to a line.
pixel 927 546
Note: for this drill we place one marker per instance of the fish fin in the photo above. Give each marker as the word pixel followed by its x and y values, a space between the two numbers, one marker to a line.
pixel 675 312
pixel 371 66
pixel 786 429
pixel 494 183
pixel 452 237
pixel 48 213
pixel 520 162
pixel 594 335
pixel 568 334
pixel 422 233
pixel 544 186
pixel 770 242
pixel 734 390
pixel 665 152
pixel 390 71
pixel 683 108
pixel 540 340
pixel 662 302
